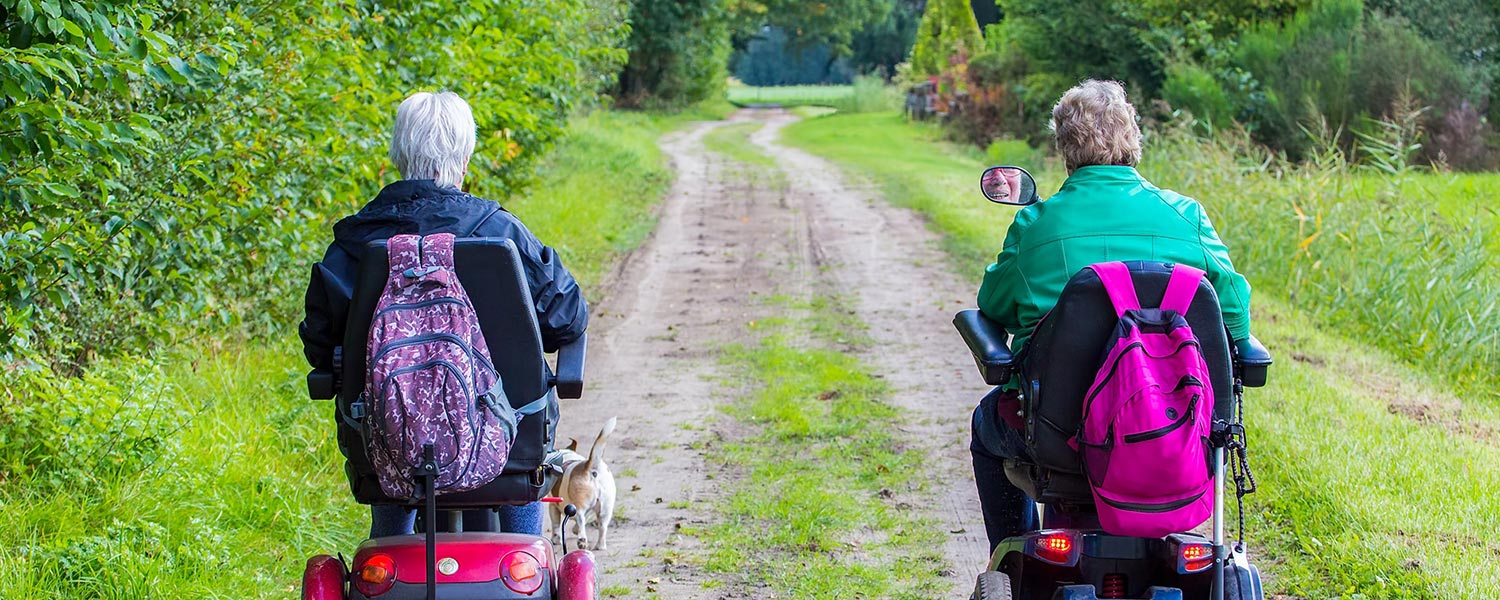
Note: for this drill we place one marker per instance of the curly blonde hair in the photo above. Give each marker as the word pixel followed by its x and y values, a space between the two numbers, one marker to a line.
pixel 1095 125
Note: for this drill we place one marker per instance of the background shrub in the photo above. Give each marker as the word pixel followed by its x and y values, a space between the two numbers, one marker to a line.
pixel 175 164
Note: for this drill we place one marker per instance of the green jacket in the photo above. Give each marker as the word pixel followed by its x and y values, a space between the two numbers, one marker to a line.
pixel 1102 214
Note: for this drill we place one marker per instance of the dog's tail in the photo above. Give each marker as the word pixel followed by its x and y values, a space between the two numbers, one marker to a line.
pixel 598 449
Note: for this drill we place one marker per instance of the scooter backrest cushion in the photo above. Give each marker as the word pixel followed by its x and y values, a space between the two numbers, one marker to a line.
pixel 1065 351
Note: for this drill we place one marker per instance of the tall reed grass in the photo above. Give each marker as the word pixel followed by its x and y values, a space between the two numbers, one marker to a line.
pixel 1391 255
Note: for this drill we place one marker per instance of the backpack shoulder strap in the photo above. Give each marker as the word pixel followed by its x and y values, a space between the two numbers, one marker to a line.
pixel 1181 288
pixel 1117 283
pixel 403 252
pixel 437 250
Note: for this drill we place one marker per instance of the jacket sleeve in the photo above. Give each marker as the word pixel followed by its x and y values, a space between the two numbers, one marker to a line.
pixel 561 311
pixel 1000 293
pixel 326 306
pixel 1233 289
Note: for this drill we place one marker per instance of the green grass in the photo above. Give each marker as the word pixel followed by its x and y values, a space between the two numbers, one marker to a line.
pixel 608 175
pixel 204 471
pixel 866 94
pixel 788 96
pixel 1376 481
pixel 227 498
pixel 812 514
pixel 734 141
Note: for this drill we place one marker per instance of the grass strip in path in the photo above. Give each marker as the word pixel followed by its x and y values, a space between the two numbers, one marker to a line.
pixel 821 482
pixel 1375 480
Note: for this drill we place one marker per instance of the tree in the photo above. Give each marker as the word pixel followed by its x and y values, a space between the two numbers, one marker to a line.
pixel 679 50
pixel 888 42
pixel 831 23
pixel 948 29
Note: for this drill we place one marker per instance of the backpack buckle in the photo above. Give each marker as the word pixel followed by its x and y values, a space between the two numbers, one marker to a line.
pixel 358 409
pixel 414 272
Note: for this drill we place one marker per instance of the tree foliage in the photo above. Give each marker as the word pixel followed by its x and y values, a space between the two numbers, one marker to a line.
pixel 678 53
pixel 830 23
pixel 886 43
pixel 177 163
pixel 947 30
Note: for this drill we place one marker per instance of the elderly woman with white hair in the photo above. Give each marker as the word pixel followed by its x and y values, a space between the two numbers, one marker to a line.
pixel 1105 211
pixel 431 144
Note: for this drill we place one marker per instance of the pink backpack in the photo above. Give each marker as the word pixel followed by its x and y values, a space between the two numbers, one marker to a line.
pixel 1148 415
pixel 431 380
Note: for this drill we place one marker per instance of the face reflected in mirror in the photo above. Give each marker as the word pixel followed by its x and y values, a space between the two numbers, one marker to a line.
pixel 1008 185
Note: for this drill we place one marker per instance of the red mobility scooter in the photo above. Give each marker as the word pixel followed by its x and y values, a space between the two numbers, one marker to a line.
pixel 459 553
pixel 1072 557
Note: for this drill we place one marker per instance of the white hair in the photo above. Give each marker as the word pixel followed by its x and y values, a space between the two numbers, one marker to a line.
pixel 433 138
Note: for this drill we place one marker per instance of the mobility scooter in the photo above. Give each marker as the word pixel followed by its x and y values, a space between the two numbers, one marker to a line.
pixel 460 554
pixel 1072 557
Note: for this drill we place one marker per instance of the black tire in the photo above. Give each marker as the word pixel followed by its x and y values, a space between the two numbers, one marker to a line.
pixel 1242 583
pixel 992 585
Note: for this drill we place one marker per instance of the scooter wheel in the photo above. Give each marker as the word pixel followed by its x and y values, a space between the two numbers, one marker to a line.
pixel 992 585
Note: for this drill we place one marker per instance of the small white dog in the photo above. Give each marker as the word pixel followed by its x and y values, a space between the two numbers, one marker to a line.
pixel 587 484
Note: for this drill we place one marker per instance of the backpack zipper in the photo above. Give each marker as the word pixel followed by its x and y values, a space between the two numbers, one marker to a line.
pixel 434 337
pixel 414 305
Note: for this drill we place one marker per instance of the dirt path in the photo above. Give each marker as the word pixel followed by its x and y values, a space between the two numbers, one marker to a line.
pixel 727 235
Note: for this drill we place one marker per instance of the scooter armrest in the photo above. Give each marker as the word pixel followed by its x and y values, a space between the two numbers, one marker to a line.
pixel 986 340
pixel 320 384
pixel 1251 361
pixel 569 378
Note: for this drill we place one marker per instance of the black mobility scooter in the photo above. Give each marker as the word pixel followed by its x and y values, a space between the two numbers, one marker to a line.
pixel 1072 557
pixel 459 554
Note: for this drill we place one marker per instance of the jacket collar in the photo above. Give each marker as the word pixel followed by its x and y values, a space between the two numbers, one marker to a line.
pixel 1104 174
pixel 412 189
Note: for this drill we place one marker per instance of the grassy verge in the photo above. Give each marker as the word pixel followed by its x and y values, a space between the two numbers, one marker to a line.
pixel 205 472
pixel 1375 479
pixel 817 511
pixel 600 187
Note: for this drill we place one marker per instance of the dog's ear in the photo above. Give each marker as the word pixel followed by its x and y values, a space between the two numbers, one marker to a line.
pixel 573 444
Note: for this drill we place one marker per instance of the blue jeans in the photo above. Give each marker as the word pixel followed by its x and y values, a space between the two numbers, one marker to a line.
pixel 1007 510
pixel 397 520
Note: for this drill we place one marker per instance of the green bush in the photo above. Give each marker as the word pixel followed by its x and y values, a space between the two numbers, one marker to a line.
pixel 1194 89
pixel 177 164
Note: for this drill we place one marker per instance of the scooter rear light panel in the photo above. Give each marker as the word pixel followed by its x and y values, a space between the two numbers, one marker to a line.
pixel 1193 558
pixel 1055 546
pixel 375 576
pixel 521 572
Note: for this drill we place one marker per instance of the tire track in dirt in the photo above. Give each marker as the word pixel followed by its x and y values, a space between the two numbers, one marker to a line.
pixel 723 238
pixel 884 258
pixel 728 235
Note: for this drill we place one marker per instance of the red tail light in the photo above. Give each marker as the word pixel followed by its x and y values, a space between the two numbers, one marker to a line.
pixel 375 576
pixel 1055 547
pixel 521 572
pixel 1196 557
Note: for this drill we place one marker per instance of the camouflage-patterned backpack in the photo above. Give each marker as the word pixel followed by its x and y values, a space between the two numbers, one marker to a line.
pixel 431 380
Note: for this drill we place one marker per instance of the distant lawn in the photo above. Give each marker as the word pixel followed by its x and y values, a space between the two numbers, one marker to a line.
pixel 791 95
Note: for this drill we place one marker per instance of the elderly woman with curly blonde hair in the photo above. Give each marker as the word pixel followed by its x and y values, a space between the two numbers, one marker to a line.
pixel 1105 211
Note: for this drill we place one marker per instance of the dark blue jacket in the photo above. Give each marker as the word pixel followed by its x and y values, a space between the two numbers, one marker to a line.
pixel 422 207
